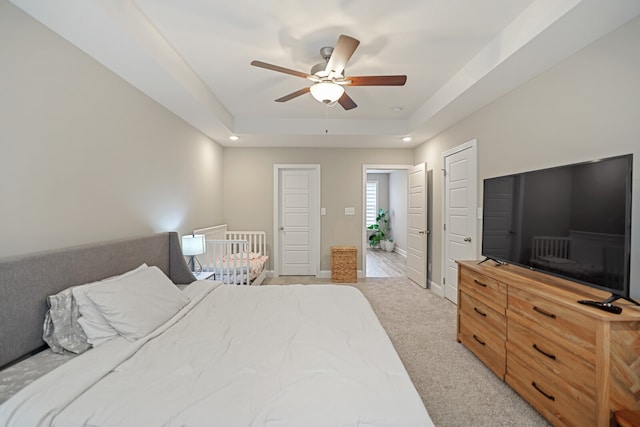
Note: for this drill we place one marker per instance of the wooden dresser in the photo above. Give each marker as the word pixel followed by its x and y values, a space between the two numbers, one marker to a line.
pixel 575 364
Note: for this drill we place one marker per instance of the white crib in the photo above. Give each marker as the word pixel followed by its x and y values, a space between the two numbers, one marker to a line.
pixel 234 257
pixel 550 247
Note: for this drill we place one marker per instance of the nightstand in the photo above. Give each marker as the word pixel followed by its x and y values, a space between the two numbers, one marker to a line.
pixel 203 275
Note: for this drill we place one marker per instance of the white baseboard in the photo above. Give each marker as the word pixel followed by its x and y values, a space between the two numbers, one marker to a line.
pixel 400 251
pixel 324 274
pixel 436 288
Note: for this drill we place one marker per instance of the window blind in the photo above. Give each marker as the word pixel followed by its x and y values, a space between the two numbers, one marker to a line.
pixel 371 202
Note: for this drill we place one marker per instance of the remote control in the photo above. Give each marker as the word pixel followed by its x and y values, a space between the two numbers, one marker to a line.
pixel 602 306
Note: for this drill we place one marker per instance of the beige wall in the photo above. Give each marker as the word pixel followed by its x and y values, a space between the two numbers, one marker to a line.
pixel 586 107
pixel 248 189
pixel 86 157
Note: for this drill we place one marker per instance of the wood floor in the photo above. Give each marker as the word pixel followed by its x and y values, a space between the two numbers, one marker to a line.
pixel 381 263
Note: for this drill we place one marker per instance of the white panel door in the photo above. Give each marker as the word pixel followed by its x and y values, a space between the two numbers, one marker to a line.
pixel 296 253
pixel 417 226
pixel 460 220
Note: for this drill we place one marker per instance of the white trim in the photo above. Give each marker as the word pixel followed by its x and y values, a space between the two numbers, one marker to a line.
pixel 315 214
pixel 473 144
pixel 436 288
pixel 400 251
pixel 366 167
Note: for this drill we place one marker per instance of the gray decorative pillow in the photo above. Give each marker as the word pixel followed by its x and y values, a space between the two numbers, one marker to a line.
pixel 61 328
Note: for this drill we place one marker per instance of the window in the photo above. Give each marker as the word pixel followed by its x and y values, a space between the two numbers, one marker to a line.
pixel 372 202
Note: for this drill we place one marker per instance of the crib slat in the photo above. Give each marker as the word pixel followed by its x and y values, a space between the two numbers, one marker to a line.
pixel 545 246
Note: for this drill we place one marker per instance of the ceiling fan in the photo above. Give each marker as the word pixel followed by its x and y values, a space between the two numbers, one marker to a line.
pixel 328 77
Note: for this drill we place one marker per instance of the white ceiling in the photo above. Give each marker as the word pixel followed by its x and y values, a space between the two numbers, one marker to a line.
pixel 193 56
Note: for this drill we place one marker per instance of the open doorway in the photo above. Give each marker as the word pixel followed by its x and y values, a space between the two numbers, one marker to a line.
pixel 385 187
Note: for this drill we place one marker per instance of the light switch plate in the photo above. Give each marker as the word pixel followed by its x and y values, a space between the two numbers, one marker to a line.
pixel 349 211
pixel 323 211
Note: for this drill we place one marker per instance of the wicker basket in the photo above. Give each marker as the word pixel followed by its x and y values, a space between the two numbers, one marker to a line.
pixel 344 264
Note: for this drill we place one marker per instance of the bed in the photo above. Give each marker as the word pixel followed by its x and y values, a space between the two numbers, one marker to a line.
pixel 298 355
pixel 234 257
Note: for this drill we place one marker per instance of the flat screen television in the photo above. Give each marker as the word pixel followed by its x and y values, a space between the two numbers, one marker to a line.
pixel 571 221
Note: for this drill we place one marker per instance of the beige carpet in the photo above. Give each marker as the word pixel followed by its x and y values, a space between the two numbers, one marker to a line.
pixel 456 388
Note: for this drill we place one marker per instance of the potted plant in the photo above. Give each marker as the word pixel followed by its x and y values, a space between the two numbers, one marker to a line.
pixel 388 245
pixel 380 229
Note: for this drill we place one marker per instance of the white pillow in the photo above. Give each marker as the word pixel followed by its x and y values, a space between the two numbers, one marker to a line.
pixel 92 322
pixel 138 303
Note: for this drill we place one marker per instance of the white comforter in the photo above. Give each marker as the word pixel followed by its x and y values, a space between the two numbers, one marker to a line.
pixel 312 355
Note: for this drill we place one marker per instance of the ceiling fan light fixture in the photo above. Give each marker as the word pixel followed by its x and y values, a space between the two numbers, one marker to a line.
pixel 328 77
pixel 327 92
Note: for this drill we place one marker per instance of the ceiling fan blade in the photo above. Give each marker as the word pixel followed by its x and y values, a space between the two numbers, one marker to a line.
pixel 342 53
pixel 279 69
pixel 346 102
pixel 377 80
pixel 293 95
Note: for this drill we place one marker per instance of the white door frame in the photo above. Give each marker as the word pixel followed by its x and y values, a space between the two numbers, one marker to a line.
pixel 365 241
pixel 314 217
pixel 473 144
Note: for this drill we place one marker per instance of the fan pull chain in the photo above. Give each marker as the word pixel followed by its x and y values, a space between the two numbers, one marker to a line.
pixel 326 118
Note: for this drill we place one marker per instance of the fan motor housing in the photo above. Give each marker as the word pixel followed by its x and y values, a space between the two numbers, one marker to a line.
pixel 318 68
pixel 326 52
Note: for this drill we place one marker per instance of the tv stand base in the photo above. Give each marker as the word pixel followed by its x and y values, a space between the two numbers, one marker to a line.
pixel 612 298
pixel 498 263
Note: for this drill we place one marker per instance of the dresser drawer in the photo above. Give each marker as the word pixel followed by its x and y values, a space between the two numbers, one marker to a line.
pixel 483 343
pixel 576 329
pixel 483 288
pixel 483 314
pixel 548 354
pixel 555 400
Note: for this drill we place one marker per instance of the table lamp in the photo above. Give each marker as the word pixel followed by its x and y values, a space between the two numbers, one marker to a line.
pixel 193 245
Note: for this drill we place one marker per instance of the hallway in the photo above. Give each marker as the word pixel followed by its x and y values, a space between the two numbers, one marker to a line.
pixel 381 263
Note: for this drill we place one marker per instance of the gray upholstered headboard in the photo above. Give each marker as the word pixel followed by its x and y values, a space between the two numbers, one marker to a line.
pixel 27 280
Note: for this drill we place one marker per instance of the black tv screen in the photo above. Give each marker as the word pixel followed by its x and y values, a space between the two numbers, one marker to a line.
pixel 572 221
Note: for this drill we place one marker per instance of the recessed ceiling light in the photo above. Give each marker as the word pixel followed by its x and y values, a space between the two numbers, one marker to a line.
pixel 396 109
pixel 406 139
pixel 234 137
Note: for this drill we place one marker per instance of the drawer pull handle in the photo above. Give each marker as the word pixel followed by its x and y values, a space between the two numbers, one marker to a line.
pixel 475 337
pixel 549 355
pixel 479 312
pixel 477 282
pixel 544 312
pixel 548 396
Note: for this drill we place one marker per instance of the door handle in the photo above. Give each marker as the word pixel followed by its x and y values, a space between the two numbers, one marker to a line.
pixel 281 228
pixel 467 239
pixel 423 232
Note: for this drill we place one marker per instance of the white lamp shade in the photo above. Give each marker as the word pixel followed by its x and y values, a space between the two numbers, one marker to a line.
pixel 327 92
pixel 193 245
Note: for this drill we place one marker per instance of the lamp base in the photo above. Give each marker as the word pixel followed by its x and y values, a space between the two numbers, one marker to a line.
pixel 192 265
